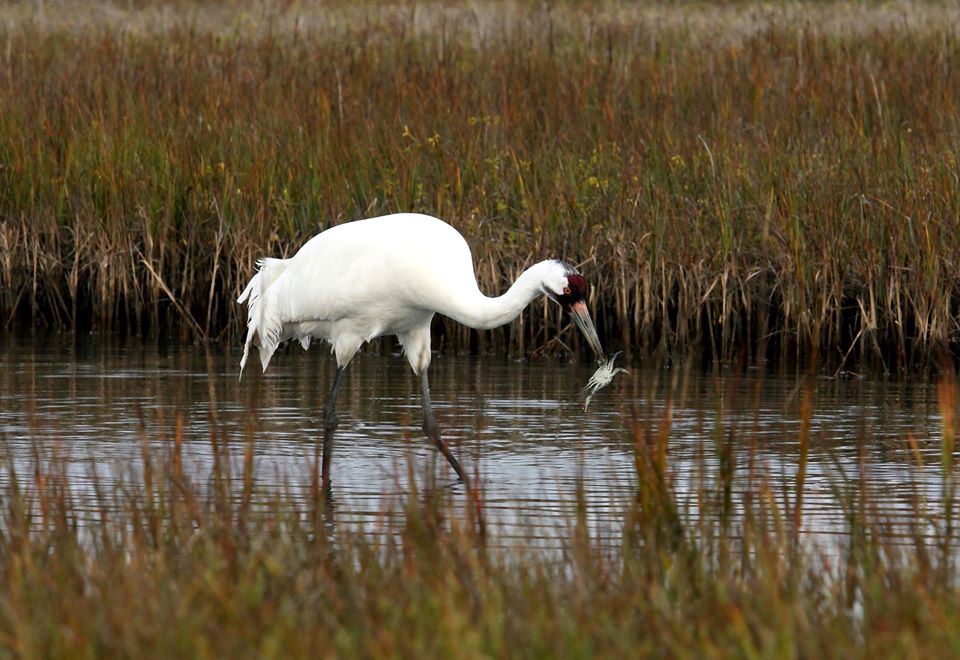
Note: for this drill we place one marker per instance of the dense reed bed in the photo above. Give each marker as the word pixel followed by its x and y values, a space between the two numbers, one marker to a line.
pixel 767 179
pixel 167 560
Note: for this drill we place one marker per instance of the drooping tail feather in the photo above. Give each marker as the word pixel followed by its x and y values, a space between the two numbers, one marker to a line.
pixel 263 323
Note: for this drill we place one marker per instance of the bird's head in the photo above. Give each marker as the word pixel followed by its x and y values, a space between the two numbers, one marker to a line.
pixel 567 287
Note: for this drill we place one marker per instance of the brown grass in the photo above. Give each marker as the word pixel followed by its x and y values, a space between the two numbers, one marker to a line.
pixel 771 180
pixel 165 561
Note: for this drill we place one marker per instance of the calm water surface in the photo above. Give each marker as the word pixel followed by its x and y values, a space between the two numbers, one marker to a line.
pixel 522 424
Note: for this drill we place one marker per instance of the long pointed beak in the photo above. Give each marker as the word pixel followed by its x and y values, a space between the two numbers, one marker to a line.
pixel 582 318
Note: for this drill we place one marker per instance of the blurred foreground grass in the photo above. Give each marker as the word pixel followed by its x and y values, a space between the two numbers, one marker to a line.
pixel 774 179
pixel 163 560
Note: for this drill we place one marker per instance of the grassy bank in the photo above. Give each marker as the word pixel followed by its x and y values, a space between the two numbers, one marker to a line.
pixel 170 562
pixel 771 179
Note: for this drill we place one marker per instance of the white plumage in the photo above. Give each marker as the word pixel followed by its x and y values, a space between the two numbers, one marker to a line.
pixel 389 276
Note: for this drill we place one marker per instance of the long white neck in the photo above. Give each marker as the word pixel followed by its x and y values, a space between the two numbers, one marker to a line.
pixel 482 313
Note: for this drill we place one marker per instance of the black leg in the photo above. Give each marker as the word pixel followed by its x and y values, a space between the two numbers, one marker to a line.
pixel 433 431
pixel 330 423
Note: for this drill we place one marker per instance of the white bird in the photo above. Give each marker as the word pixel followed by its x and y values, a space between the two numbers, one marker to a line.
pixel 389 276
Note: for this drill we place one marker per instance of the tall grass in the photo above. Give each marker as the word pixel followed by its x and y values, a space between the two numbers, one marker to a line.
pixel 768 179
pixel 171 562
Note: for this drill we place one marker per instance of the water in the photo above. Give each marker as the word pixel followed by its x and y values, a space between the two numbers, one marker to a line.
pixel 521 424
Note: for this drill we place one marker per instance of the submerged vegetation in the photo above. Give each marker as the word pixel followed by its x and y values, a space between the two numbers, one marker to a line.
pixel 168 559
pixel 772 179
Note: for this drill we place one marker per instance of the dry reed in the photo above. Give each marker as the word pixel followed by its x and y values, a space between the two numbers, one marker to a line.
pixel 772 180
pixel 168 561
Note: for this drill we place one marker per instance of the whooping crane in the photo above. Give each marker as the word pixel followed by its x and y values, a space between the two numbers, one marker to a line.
pixel 389 276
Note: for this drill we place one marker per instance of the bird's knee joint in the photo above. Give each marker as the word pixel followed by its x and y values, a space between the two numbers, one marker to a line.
pixel 331 422
pixel 430 428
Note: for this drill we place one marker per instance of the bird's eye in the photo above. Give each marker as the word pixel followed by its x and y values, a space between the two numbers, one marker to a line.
pixel 566 291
